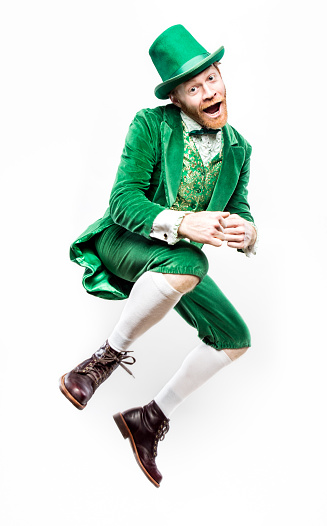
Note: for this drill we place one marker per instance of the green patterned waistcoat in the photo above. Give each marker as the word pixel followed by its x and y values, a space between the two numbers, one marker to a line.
pixel 198 180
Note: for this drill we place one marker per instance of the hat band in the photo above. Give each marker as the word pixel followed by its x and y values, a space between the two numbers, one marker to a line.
pixel 189 65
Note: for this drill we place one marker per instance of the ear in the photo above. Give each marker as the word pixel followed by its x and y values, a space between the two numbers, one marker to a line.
pixel 174 100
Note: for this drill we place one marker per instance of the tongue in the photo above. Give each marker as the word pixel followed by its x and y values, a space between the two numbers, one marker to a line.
pixel 212 109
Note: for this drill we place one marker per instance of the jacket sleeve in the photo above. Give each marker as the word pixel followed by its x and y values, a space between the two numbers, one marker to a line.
pixel 129 205
pixel 238 203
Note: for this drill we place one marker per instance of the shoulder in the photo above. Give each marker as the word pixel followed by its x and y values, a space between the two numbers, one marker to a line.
pixel 153 117
pixel 236 138
pixel 148 122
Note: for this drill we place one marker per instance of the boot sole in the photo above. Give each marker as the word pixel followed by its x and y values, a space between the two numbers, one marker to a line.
pixel 67 394
pixel 124 429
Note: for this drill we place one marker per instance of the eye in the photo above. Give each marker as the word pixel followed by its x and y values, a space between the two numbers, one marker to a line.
pixel 211 77
pixel 192 89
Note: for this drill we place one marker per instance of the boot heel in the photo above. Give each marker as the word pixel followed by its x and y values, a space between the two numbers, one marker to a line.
pixel 118 418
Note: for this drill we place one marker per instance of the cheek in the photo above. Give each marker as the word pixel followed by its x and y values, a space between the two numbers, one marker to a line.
pixel 220 86
pixel 222 89
pixel 195 106
pixel 192 105
pixel 196 101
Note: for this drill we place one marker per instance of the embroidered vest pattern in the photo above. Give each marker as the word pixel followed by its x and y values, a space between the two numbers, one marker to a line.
pixel 198 180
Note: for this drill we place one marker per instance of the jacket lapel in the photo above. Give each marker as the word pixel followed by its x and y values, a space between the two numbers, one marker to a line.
pixel 173 152
pixel 172 160
pixel 233 159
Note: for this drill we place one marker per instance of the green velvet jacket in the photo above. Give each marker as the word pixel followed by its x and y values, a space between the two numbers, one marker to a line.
pixel 147 182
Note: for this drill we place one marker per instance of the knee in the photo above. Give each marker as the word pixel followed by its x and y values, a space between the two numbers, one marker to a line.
pixel 201 264
pixel 182 282
pixel 196 260
pixel 243 336
pixel 195 267
pixel 235 353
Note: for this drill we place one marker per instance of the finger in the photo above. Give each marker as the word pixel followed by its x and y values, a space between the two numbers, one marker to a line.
pixel 235 245
pixel 234 238
pixel 238 230
pixel 219 227
pixel 234 221
pixel 234 224
pixel 223 222
pixel 233 216
pixel 224 214
pixel 221 215
pixel 219 235
pixel 215 242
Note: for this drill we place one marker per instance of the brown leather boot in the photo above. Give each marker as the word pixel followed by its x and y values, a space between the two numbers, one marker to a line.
pixel 144 426
pixel 80 384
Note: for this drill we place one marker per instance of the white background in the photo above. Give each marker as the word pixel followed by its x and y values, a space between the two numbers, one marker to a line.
pixel 249 447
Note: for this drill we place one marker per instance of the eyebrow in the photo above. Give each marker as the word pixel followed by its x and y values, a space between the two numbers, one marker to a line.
pixel 194 83
pixel 189 83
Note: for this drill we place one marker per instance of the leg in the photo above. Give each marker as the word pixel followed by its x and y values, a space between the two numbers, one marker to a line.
pixel 217 321
pixel 182 282
pixel 235 353
pixel 135 259
pixel 151 298
pixel 198 367
pixel 225 337
pixel 162 274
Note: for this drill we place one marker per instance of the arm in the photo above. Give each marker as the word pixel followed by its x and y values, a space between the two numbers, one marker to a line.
pixel 166 224
pixel 236 227
pixel 129 205
pixel 238 203
pixel 204 227
pixel 241 233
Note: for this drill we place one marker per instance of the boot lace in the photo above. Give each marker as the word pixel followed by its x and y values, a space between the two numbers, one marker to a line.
pixel 160 435
pixel 99 367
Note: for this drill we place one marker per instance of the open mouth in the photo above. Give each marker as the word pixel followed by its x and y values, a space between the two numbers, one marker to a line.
pixel 212 109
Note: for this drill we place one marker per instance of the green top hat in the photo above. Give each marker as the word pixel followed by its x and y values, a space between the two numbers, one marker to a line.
pixel 179 57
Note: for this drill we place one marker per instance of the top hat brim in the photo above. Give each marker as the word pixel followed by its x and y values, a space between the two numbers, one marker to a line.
pixel 162 90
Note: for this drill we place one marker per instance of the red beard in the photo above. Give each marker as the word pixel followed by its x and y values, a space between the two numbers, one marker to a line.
pixel 200 116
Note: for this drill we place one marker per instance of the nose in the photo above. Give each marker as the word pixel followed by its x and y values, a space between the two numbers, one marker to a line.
pixel 209 92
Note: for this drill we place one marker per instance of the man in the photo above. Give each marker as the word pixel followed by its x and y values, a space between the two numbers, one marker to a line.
pixel 182 182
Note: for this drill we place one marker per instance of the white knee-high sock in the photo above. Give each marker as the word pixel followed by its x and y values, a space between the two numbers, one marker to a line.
pixel 200 365
pixel 151 298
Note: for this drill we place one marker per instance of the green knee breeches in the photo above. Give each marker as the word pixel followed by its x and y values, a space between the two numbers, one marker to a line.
pixel 206 308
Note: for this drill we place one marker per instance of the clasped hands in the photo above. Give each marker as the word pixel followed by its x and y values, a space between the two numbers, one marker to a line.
pixel 213 228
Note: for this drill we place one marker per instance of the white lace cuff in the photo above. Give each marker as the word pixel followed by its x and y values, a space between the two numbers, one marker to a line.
pixel 166 225
pixel 252 249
